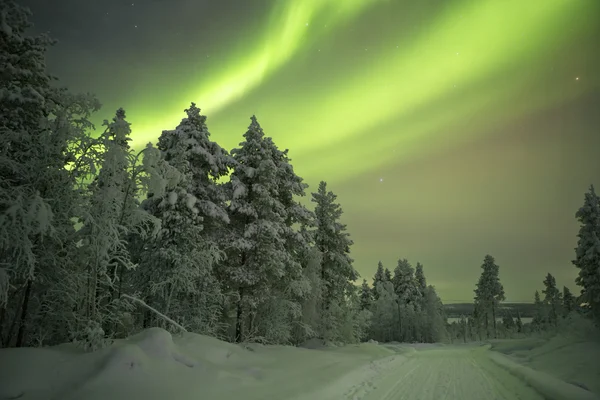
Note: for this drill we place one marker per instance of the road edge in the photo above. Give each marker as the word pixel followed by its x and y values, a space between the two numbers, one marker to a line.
pixel 547 385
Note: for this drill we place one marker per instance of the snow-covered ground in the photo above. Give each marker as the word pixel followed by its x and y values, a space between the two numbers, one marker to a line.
pixel 153 365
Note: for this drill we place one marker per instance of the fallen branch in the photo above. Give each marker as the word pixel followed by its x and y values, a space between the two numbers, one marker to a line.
pixel 163 316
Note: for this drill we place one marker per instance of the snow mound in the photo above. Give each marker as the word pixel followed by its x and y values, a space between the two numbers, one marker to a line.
pixel 158 344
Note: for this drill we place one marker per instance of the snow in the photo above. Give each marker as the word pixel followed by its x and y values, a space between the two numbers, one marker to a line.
pixel 573 360
pixel 156 365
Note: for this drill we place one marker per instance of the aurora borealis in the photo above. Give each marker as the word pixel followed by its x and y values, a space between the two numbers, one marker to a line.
pixel 448 129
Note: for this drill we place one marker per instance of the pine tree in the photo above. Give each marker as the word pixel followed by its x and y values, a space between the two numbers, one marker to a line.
pixel 387 275
pixel 39 127
pixel 552 299
pixel 113 214
pixel 587 258
pixel 519 323
pixel 489 292
pixel 420 280
pixel 332 240
pixel 538 320
pixel 405 284
pixel 366 296
pixel 260 267
pixel 379 277
pixel 177 274
pixel 434 316
pixel 568 300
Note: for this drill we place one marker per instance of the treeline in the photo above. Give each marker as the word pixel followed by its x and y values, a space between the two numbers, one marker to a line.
pixel 98 241
pixel 403 307
pixel 554 306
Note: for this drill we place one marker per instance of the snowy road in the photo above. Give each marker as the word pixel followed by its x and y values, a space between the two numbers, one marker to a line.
pixel 441 373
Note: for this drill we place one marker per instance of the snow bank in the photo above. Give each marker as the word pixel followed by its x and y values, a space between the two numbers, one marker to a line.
pixel 571 358
pixel 155 365
pixel 547 385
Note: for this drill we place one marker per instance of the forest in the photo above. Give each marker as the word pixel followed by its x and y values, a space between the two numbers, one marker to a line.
pixel 99 240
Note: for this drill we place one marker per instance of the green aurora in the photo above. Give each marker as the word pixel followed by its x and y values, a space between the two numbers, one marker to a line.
pixel 430 120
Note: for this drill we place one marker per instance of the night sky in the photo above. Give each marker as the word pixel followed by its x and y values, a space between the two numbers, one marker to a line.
pixel 449 129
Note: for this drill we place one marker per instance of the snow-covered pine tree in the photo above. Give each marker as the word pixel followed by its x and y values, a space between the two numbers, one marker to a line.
pixel 568 299
pixel 387 275
pixel 177 275
pixel 539 319
pixel 407 293
pixel 421 282
pixel 552 299
pixel 366 296
pixel 519 323
pixel 379 277
pixel 39 128
pixel 587 253
pixel 489 292
pixel 436 319
pixel 384 313
pixel 113 214
pixel 260 266
pixel 332 240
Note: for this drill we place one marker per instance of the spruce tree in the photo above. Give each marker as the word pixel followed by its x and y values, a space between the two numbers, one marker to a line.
pixel 177 274
pixel 379 277
pixel 260 266
pixel 552 299
pixel 113 214
pixel 40 127
pixel 587 253
pixel 366 296
pixel 420 280
pixel 538 320
pixel 568 301
pixel 489 292
pixel 387 275
pixel 332 240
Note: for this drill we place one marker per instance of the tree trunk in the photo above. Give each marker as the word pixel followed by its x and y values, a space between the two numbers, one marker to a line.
pixel 2 316
pixel 487 326
pixel 21 332
pixel 494 317
pixel 238 322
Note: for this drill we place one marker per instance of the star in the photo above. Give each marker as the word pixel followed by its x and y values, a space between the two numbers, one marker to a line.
pixel 380 179
pixel 577 78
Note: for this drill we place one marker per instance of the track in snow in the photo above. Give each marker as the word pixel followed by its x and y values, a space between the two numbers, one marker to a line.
pixel 442 373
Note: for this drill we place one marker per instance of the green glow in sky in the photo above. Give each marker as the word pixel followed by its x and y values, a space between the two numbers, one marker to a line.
pixel 361 90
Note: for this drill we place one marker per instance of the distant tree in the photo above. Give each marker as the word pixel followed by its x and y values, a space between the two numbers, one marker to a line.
pixel 568 300
pixel 463 328
pixel 489 292
pixel 538 319
pixel 508 323
pixel 587 258
pixel 519 323
pixel 552 299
